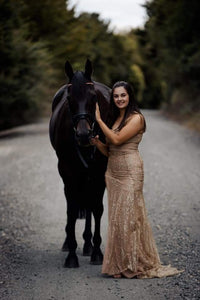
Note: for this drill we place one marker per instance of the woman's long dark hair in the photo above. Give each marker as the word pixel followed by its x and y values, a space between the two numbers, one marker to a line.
pixel 132 107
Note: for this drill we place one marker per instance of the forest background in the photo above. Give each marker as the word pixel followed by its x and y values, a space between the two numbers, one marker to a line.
pixel 161 60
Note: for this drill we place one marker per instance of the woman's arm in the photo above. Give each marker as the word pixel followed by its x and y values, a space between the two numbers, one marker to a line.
pixel 103 148
pixel 133 127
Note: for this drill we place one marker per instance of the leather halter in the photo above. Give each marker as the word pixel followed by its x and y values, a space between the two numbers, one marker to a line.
pixel 83 116
pixel 75 119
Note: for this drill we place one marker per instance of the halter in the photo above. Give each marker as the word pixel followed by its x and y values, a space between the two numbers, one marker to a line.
pixel 83 116
pixel 91 121
pixel 76 118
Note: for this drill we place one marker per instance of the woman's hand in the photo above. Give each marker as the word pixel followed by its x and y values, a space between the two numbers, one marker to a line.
pixel 95 140
pixel 103 148
pixel 97 113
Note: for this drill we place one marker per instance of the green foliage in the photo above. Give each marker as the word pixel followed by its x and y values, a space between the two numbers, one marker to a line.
pixel 25 70
pixel 36 38
pixel 91 38
pixel 51 23
pixel 167 52
pixel 150 91
pixel 136 77
pixel 172 34
pixel 22 89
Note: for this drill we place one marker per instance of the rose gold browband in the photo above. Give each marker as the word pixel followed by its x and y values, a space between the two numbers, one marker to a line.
pixel 91 83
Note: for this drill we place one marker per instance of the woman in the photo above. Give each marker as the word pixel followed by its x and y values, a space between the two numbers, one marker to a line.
pixel 130 249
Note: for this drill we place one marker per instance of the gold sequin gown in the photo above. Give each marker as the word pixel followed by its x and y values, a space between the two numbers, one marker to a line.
pixel 130 249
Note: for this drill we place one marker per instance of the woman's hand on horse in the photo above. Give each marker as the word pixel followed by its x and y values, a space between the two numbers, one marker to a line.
pixel 97 113
pixel 95 140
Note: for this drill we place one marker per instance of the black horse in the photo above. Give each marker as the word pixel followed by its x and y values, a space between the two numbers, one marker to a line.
pixel 81 165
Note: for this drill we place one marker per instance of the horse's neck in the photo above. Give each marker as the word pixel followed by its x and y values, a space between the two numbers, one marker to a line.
pixel 103 97
pixel 103 89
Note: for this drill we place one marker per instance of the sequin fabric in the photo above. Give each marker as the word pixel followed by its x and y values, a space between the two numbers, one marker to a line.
pixel 130 249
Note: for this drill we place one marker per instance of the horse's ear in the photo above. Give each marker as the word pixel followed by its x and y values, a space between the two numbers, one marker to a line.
pixel 68 70
pixel 88 69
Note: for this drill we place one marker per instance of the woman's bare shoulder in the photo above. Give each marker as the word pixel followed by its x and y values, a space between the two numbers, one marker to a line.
pixel 136 118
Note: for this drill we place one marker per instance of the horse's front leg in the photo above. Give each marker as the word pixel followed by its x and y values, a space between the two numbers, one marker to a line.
pixel 87 234
pixel 97 256
pixel 72 213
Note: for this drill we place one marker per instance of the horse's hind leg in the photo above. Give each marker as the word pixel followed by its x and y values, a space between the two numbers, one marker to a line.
pixel 87 234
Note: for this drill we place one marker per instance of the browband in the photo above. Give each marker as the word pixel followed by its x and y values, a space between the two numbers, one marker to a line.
pixel 91 83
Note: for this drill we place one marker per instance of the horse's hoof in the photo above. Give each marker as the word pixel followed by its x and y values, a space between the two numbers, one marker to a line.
pixel 96 257
pixel 71 261
pixel 87 250
pixel 65 247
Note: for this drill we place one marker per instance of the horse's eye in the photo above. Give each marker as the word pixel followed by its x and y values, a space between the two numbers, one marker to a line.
pixel 68 98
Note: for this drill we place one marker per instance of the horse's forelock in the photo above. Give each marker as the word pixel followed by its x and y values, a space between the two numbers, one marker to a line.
pixel 79 86
pixel 78 78
pixel 78 83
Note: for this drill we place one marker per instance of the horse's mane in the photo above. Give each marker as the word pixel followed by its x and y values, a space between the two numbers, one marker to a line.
pixel 103 97
pixel 105 90
pixel 78 83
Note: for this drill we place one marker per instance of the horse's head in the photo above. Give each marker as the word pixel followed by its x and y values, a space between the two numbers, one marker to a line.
pixel 82 102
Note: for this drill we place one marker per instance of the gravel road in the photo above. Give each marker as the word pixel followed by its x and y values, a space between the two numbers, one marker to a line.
pixel 32 218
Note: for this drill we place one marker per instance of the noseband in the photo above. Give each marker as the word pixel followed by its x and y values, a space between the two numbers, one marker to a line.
pixel 83 116
pixel 76 119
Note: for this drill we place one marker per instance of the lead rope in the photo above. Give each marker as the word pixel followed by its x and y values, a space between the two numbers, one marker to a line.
pixel 92 154
pixel 75 143
pixel 81 156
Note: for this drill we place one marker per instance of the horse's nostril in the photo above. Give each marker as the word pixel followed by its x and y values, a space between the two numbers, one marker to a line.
pixel 78 133
pixel 83 134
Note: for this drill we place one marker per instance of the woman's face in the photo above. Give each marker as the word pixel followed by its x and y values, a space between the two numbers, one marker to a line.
pixel 121 97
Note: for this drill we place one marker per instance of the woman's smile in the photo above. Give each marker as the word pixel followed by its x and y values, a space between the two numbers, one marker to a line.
pixel 121 97
pixel 120 102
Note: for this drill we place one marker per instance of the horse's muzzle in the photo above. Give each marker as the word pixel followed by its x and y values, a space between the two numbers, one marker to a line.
pixel 83 138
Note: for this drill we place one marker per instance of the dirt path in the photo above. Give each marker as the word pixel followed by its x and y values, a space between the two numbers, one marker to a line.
pixel 33 217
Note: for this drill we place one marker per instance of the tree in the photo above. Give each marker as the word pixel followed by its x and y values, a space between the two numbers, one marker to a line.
pixel 173 32
pixel 23 69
